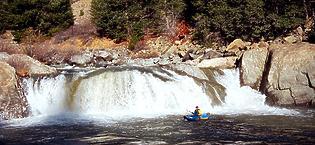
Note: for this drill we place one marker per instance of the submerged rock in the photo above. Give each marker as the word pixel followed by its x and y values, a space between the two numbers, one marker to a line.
pixel 204 78
pixel 13 103
pixel 27 66
pixel 190 70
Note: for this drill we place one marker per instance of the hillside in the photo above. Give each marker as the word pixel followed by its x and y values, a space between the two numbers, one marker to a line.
pixel 179 27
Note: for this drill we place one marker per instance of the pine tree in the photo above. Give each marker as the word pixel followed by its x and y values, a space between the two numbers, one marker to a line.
pixel 247 19
pixel 168 14
pixel 44 16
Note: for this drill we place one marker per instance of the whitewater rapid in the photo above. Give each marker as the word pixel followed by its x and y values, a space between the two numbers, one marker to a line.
pixel 132 93
pixel 244 99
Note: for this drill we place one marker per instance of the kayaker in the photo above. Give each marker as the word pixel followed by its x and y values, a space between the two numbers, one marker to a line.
pixel 197 112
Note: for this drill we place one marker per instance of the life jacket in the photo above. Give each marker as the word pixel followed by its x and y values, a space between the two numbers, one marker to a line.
pixel 198 112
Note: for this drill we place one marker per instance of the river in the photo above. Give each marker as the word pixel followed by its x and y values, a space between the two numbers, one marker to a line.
pixel 135 105
pixel 224 129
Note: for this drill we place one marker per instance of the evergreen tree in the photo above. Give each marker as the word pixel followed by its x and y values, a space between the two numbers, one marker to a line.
pixel 247 19
pixel 168 14
pixel 120 19
pixel 131 19
pixel 44 16
pixel 283 15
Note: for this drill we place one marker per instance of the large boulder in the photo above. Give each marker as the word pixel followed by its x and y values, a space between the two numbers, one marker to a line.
pixel 27 66
pixel 13 103
pixel 286 75
pixel 236 45
pixel 219 63
pixel 253 66
pixel 292 39
pixel 291 78
pixel 81 59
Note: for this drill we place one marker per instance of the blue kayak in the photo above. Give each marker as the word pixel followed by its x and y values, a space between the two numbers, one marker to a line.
pixel 204 116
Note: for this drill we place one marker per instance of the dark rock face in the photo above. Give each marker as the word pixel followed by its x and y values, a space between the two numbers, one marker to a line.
pixel 286 74
pixel 13 103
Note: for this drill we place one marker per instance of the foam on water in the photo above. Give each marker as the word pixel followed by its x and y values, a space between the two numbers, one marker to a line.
pixel 132 93
pixel 47 95
pixel 135 94
pixel 122 94
pixel 244 100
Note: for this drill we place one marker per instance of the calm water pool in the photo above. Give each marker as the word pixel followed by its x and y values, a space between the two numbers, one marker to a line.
pixel 226 129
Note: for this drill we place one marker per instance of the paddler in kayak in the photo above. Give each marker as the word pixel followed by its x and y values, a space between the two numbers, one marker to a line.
pixel 197 112
pixel 197 115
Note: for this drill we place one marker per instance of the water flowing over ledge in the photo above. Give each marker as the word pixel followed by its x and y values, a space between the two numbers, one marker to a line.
pixel 140 92
pixel 244 100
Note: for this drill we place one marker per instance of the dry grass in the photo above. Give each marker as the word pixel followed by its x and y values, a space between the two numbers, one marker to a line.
pixel 52 54
pixel 8 45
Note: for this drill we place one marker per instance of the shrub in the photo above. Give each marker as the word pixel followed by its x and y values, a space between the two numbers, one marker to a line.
pixel 17 35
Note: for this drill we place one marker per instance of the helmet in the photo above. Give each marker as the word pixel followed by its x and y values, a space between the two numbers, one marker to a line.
pixel 197 107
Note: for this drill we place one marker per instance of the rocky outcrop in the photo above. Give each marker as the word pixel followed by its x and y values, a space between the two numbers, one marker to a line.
pixel 292 74
pixel 253 66
pixel 219 63
pixel 286 76
pixel 27 66
pixel 13 103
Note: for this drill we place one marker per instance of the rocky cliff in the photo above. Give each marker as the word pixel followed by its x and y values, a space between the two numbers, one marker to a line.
pixel 13 103
pixel 285 73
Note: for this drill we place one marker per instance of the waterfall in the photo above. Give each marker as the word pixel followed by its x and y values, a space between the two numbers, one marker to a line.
pixel 139 92
pixel 123 93
pixel 244 100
